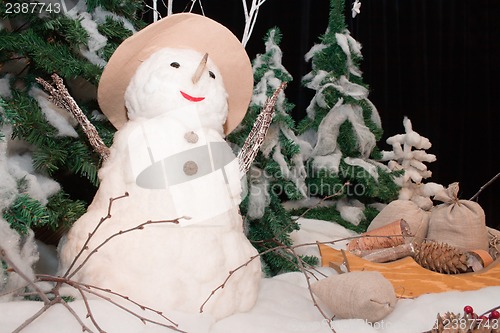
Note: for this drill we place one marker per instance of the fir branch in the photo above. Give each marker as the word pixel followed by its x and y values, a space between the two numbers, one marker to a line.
pixel 49 55
pixel 114 29
pixel 61 97
pixel 26 213
pixel 64 210
pixel 70 29
pixel 126 8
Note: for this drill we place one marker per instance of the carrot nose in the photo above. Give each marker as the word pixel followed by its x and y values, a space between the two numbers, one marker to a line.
pixel 197 75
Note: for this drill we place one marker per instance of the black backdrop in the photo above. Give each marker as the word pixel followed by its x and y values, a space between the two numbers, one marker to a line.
pixel 435 61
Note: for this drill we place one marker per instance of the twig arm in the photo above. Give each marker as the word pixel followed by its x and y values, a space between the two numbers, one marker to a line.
pixel 258 133
pixel 61 97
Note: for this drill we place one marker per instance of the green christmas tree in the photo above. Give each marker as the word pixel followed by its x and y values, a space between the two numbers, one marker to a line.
pixel 278 173
pixel 41 145
pixel 342 129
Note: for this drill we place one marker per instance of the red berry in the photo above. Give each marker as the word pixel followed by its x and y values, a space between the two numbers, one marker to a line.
pixel 468 309
pixel 483 317
pixel 494 314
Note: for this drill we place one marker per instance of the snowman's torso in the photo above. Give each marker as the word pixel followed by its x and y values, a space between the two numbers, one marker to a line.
pixel 191 166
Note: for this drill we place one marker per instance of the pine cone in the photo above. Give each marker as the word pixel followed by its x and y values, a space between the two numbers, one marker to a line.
pixel 441 257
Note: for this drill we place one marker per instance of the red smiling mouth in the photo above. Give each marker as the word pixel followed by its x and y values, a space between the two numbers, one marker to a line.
pixel 191 98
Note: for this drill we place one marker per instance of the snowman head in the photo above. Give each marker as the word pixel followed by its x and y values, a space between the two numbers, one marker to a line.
pixel 172 79
pixel 141 78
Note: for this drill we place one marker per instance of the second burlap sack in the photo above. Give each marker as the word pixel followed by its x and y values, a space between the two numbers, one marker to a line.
pixel 459 223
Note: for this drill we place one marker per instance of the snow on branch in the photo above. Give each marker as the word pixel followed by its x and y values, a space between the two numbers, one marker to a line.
pixel 250 18
pixel 409 154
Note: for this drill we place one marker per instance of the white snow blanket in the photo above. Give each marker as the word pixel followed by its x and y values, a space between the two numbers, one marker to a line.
pixel 284 306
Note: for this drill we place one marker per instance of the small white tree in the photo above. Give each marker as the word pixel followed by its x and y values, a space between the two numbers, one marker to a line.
pixel 409 154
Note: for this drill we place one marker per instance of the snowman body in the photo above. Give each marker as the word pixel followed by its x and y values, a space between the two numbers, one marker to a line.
pixel 172 160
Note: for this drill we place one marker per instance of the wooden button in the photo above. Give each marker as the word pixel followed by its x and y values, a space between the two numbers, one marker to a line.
pixel 190 168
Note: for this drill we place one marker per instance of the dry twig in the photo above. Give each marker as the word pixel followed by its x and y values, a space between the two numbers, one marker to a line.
pixel 300 265
pixel 85 245
pixel 12 266
pixel 475 196
pixel 84 289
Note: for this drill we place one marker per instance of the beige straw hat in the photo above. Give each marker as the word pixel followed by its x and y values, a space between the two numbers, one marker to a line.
pixel 184 30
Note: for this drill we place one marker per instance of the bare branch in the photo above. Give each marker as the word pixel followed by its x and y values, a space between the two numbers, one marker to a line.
pixel 89 310
pixel 13 266
pixel 252 258
pixel 84 289
pixel 78 319
pixel 32 318
pixel 475 196
pixel 119 233
pixel 313 298
pixel 143 307
pixel 85 245
pixel 88 289
pixel 231 273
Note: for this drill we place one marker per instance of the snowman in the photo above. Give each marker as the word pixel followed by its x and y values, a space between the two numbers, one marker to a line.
pixel 173 90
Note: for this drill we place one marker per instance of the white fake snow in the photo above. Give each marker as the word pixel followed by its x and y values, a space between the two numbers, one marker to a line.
pixel 283 306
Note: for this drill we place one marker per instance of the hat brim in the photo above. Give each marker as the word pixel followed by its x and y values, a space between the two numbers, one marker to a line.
pixel 184 30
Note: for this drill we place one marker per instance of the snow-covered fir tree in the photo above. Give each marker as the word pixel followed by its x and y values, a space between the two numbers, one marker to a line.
pixel 342 128
pixel 278 173
pixel 41 145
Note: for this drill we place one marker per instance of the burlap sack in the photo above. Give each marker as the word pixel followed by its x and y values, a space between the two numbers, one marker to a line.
pixel 365 295
pixel 494 243
pixel 417 218
pixel 459 223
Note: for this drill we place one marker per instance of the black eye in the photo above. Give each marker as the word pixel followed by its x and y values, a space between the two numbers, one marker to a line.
pixel 175 65
pixel 212 75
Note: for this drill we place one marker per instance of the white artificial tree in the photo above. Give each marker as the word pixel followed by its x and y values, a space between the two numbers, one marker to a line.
pixel 409 154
